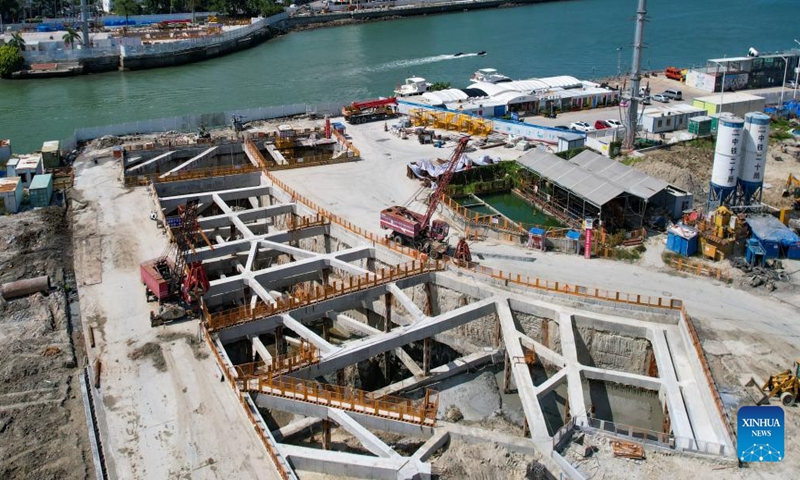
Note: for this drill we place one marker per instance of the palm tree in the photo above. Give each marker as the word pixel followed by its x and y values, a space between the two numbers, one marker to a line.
pixel 70 37
pixel 17 40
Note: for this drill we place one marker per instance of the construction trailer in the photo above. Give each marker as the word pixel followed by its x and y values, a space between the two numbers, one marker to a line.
pixel 51 154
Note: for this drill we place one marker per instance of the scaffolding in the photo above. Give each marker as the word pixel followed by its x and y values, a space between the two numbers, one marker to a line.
pixel 450 121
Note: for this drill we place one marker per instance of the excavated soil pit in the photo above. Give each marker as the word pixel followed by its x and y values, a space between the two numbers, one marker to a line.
pixel 614 351
pixel 623 404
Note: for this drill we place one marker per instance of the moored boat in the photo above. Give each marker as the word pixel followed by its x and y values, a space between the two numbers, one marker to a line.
pixel 412 86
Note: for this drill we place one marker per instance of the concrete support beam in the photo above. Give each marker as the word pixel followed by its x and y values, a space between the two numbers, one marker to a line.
pixel 407 303
pixel 409 362
pixel 522 377
pixel 289 250
pixel 188 163
pixel 223 220
pixel 457 366
pixel 260 350
pixel 367 439
pixel 541 351
pixel 295 427
pixel 678 414
pixel 577 402
pixel 371 422
pixel 150 164
pixel 625 378
pixel 341 464
pixel 169 204
pixel 311 337
pixel 551 383
pixel 243 245
pixel 434 443
pixel 365 348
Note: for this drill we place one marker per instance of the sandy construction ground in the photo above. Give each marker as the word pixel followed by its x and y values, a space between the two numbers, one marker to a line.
pixel 164 413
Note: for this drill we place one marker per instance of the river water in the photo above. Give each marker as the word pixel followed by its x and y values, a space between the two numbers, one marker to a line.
pixel 576 37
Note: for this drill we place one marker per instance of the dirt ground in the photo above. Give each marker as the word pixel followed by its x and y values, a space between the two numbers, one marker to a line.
pixel 162 410
pixel 43 430
pixel 688 167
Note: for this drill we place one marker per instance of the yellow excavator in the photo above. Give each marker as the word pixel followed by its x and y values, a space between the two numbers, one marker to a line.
pixel 784 385
pixel 792 189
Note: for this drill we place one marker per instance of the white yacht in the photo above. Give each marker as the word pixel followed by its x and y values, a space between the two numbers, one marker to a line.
pixel 489 75
pixel 413 86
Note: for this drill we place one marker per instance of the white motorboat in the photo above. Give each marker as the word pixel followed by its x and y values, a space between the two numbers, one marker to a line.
pixel 489 75
pixel 413 86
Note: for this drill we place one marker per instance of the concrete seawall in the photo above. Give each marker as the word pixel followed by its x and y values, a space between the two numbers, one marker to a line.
pixel 196 54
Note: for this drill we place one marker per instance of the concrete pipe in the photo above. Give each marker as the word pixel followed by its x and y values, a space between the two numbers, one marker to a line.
pixel 21 288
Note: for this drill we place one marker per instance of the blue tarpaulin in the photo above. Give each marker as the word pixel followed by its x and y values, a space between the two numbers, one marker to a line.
pixel 771 229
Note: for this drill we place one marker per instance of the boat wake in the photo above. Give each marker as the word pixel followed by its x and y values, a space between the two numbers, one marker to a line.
pixel 413 62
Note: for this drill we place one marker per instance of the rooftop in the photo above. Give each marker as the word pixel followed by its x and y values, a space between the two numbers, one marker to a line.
pixel 9 184
pixel 41 181
pixel 730 97
pixel 30 161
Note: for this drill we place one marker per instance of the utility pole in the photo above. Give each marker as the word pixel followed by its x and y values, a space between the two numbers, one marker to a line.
pixel 619 61
pixel 85 23
pixel 636 75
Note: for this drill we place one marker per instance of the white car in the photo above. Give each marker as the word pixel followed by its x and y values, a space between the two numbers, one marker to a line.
pixel 581 127
pixel 661 98
pixel 614 123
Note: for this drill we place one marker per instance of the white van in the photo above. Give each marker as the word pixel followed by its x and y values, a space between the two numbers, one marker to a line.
pixel 673 94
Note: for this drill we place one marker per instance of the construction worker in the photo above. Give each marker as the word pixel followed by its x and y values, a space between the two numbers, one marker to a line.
pixel 385 126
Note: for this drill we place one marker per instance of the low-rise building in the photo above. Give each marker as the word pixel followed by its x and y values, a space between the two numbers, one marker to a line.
pixel 41 190
pixel 26 167
pixel 667 119
pixel 51 154
pixel 737 103
pixel 10 194
pixel 5 151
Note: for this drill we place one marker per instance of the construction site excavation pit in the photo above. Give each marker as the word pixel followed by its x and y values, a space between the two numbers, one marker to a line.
pixel 355 359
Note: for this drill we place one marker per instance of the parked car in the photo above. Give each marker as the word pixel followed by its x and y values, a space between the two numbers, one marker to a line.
pixel 673 94
pixel 791 84
pixel 613 123
pixel 581 127
pixel 660 97
pixel 646 100
pixel 601 125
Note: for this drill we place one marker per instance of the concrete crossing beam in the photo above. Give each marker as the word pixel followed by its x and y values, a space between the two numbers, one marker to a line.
pixel 367 438
pixel 188 163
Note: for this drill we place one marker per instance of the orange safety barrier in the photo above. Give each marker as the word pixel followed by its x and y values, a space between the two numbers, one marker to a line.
pixel 346 398
pixel 244 314
pixel 143 180
pixel 699 269
pixel 307 355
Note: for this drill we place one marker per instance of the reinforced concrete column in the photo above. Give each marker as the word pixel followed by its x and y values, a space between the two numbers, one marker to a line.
pixel 280 342
pixel 426 356
pixel 507 374
pixel 326 434
pixel 387 322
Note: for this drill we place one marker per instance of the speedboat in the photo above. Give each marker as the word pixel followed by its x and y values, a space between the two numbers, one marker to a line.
pixel 458 54
pixel 413 86
pixel 482 53
pixel 489 75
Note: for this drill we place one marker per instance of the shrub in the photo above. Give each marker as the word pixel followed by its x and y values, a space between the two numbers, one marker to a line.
pixel 11 60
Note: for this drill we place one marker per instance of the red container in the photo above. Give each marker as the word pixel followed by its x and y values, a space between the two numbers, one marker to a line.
pixel 156 274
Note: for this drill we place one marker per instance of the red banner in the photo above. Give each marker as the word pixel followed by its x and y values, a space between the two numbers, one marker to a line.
pixel 587 246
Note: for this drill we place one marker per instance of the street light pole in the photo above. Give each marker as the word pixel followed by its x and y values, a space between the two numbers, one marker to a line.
pixel 619 60
pixel 796 73
pixel 785 71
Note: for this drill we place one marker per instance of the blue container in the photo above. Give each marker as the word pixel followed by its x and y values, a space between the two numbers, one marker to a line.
pixel 684 246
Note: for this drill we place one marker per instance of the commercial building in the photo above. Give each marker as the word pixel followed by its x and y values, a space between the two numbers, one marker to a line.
pixel 10 194
pixel 737 103
pixel 740 73
pixel 534 96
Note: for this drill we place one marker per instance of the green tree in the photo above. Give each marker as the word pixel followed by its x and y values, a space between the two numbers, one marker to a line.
pixel 17 41
pixel 71 36
pixel 11 60
pixel 126 8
